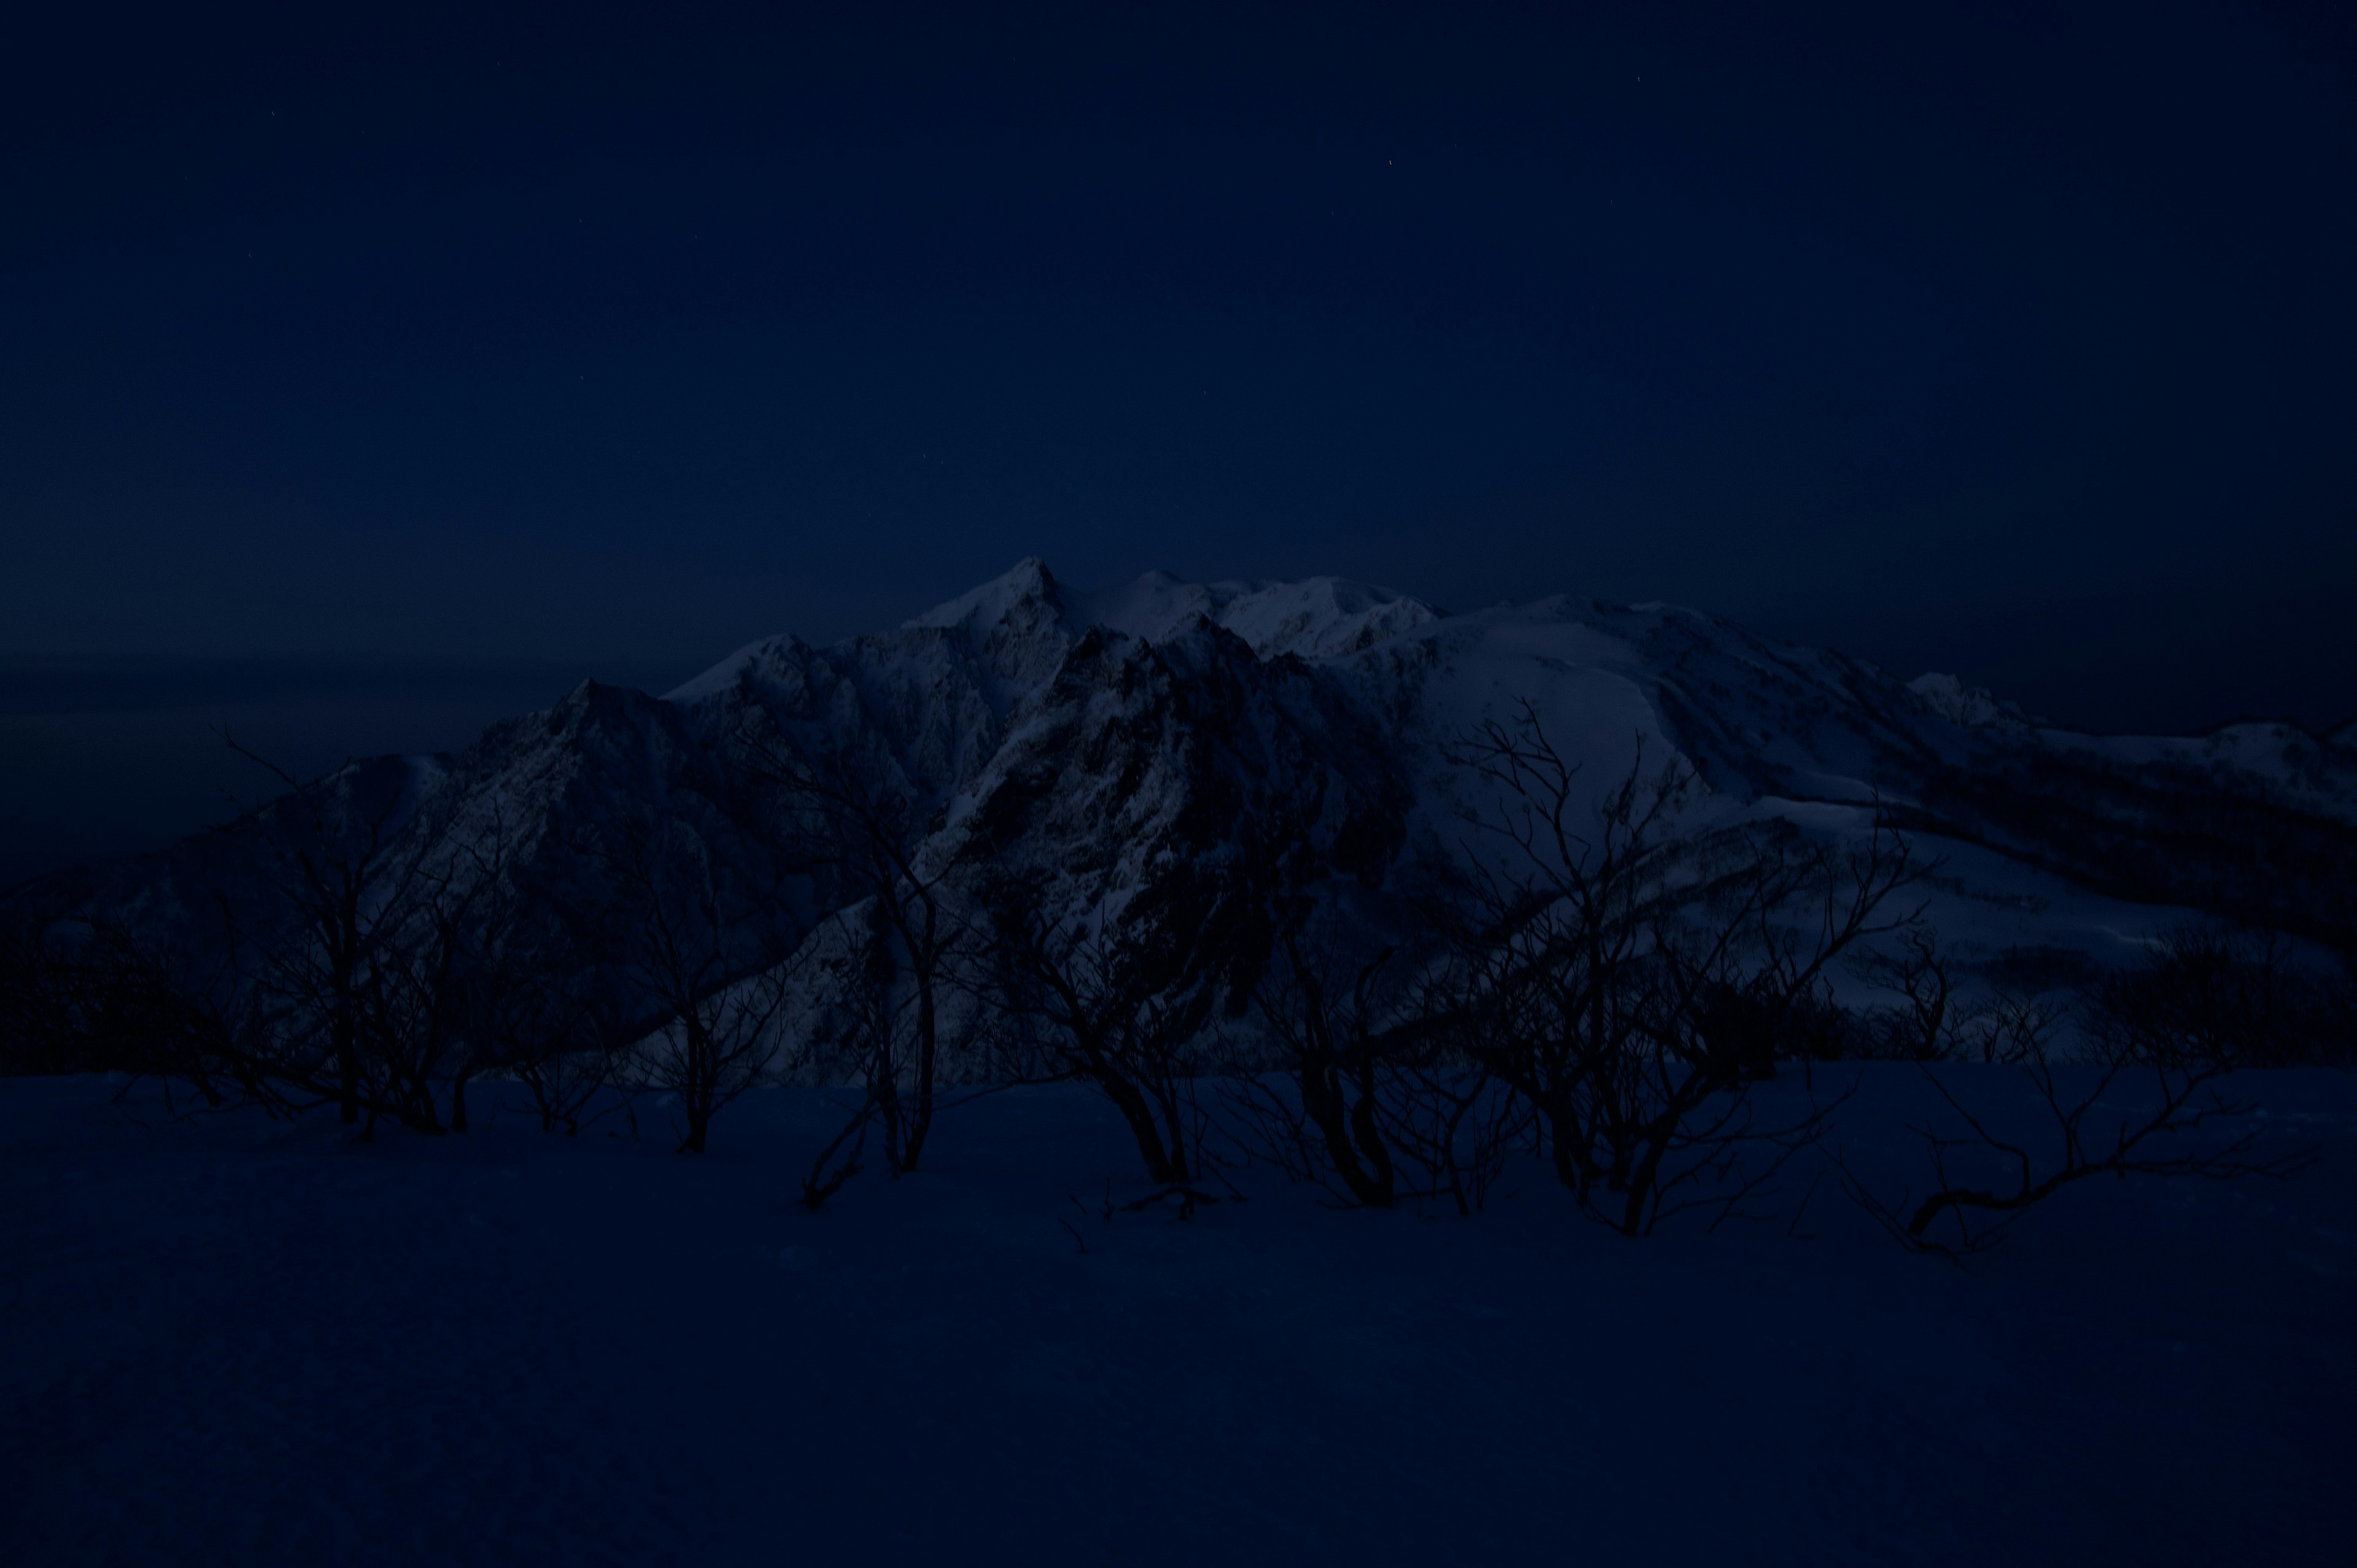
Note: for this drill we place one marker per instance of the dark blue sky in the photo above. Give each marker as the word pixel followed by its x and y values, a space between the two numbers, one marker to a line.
pixel 416 362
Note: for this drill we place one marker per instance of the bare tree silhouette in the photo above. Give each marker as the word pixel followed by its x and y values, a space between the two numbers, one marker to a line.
pixel 1631 979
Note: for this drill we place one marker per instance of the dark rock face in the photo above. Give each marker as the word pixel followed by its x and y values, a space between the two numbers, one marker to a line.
pixel 1182 786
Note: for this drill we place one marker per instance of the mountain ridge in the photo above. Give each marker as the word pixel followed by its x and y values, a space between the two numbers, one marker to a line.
pixel 1146 751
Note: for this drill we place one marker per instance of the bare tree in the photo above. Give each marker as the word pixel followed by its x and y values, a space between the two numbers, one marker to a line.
pixel 534 1012
pixel 534 1020
pixel 2217 994
pixel 327 983
pixel 413 1008
pixel 1944 1015
pixel 1924 1024
pixel 1457 1125
pixel 710 961
pixel 356 961
pixel 2146 1094
pixel 53 1013
pixel 1549 978
pixel 1124 1010
pixel 858 1032
pixel 1372 1098
pixel 81 994
pixel 380 966
pixel 1330 1038
pixel 841 816
pixel 2119 1118
pixel 1632 981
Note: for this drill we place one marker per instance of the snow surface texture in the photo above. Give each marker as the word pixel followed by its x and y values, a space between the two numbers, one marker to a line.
pixel 230 1341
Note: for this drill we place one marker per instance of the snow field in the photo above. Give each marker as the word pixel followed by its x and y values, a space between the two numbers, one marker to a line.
pixel 232 1341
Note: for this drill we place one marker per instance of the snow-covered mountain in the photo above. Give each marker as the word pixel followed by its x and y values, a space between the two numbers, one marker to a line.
pixel 1144 752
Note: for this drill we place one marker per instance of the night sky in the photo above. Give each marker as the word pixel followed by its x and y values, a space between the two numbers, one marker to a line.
pixel 363 377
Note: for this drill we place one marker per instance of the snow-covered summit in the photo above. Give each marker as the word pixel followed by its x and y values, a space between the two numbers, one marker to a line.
pixel 1027 595
pixel 1317 617
pixel 1968 706
pixel 1019 624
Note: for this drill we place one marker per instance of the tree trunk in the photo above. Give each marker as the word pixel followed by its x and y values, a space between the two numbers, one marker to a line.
pixel 348 1070
pixel 1161 1165
pixel 920 1118
pixel 1321 1098
pixel 1369 1138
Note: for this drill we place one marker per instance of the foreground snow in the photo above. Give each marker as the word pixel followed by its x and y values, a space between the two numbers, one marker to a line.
pixel 228 1341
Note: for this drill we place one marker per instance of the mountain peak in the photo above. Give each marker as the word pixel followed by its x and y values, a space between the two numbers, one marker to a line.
pixel 1968 706
pixel 1028 586
pixel 1316 617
